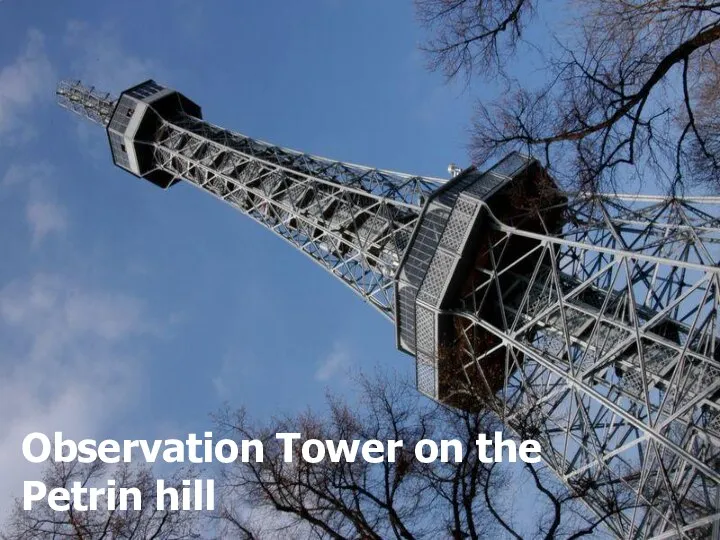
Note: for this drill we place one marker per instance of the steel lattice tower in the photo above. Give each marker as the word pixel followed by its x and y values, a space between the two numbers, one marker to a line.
pixel 587 321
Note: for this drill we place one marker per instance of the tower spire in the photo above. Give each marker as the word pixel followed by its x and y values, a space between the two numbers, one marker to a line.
pixel 587 321
pixel 86 101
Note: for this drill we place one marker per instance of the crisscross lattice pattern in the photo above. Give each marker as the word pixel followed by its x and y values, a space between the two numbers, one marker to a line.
pixel 612 357
pixel 354 221
pixel 599 340
pixel 86 101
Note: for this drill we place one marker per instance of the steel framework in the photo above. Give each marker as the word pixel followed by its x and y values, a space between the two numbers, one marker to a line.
pixel 587 321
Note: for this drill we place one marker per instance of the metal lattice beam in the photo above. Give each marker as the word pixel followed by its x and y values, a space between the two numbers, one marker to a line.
pixel 611 355
pixel 86 101
pixel 354 221
pixel 587 321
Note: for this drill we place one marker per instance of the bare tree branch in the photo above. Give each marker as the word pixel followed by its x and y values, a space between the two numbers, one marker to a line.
pixel 43 522
pixel 631 97
pixel 406 499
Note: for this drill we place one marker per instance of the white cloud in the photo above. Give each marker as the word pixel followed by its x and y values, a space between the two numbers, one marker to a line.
pixel 24 82
pixel 44 215
pixel 335 363
pixel 225 382
pixel 45 218
pixel 69 364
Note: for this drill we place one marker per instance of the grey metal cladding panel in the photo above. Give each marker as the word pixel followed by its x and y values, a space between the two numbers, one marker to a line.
pixel 457 227
pixel 465 206
pixel 450 195
pixel 511 165
pixel 425 376
pixel 119 156
pixel 406 316
pixel 421 253
pixel 486 185
pixel 436 277
pixel 425 331
pixel 408 319
pixel 436 218
pixel 425 241
pixel 416 268
pixel 409 291
pixel 121 160
pixel 145 90
pixel 122 114
pixel 425 244
pixel 482 185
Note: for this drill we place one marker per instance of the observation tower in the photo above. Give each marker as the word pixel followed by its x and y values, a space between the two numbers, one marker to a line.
pixel 587 321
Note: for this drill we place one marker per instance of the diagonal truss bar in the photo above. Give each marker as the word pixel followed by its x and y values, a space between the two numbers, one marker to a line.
pixel 590 324
pixel 354 221
pixel 612 357
pixel 86 101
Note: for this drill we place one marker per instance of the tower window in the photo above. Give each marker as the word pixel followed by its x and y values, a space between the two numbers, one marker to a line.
pixel 122 147
pixel 129 112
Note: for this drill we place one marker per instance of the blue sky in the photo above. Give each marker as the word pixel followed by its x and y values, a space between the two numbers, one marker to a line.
pixel 128 311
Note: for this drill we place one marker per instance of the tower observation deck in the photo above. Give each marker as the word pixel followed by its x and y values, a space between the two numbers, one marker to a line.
pixel 586 321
